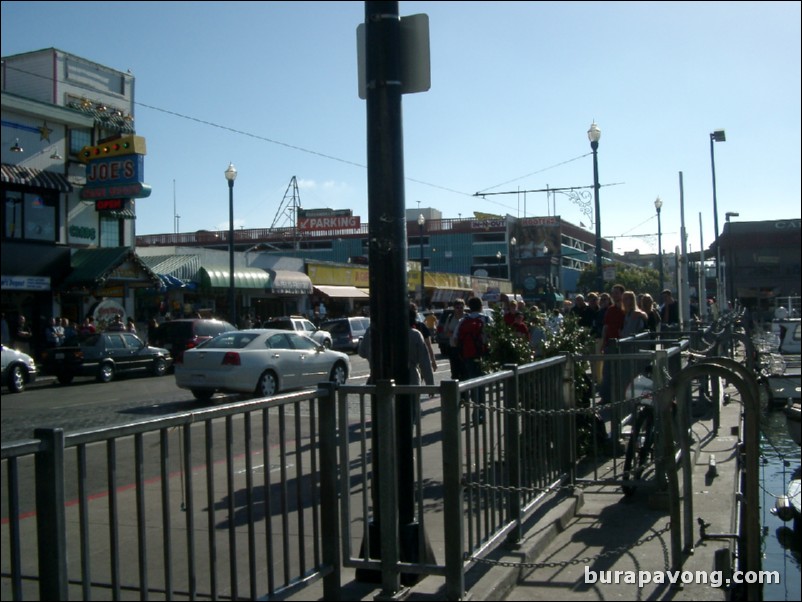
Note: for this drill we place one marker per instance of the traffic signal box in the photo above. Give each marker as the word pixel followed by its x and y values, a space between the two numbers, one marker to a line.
pixel 125 145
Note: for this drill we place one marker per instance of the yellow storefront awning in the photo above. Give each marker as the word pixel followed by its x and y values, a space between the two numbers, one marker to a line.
pixel 218 277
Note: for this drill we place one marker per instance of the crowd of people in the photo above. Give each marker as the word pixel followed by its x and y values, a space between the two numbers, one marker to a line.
pixel 58 331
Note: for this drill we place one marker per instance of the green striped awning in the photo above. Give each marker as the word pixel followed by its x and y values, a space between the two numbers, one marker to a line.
pixel 219 277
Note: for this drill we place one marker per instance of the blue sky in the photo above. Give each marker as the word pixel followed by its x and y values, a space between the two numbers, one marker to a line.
pixel 272 87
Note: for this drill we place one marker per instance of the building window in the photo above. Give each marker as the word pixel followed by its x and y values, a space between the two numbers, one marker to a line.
pixel 79 139
pixel 111 232
pixel 30 215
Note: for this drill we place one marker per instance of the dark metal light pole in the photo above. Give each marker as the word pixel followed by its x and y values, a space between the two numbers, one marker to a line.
pixel 658 204
pixel 716 136
pixel 594 134
pixel 231 175
pixel 730 283
pixel 421 221
pixel 498 256
pixel 513 245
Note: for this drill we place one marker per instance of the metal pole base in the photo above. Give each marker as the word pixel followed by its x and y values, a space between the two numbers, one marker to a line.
pixel 410 551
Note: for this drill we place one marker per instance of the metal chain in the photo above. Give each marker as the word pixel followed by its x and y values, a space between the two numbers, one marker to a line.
pixel 586 561
pixel 532 412
pixel 481 485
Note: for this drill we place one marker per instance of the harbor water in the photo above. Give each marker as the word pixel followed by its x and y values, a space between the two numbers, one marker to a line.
pixel 780 458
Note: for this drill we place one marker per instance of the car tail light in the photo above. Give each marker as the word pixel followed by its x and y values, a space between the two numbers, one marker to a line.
pixel 231 358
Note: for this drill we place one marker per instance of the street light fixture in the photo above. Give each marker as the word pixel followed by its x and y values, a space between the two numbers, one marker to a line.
pixel 658 204
pixel 716 136
pixel 594 134
pixel 231 175
pixel 421 222
pixel 498 256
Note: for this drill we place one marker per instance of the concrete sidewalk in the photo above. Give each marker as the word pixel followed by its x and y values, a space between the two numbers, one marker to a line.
pixel 598 531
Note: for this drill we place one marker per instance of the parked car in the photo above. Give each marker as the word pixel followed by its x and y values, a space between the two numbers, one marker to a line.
pixel 261 362
pixel 104 355
pixel 346 332
pixel 302 325
pixel 19 369
pixel 186 333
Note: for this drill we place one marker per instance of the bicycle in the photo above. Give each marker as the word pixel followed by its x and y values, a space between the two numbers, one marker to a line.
pixel 640 447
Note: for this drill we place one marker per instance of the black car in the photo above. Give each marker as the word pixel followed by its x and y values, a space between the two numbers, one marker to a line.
pixel 346 332
pixel 179 335
pixel 104 355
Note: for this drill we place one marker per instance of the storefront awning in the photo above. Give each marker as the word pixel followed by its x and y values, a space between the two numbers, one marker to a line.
pixel 219 277
pixel 183 267
pixel 93 268
pixel 447 295
pixel 286 282
pixel 35 178
pixel 342 292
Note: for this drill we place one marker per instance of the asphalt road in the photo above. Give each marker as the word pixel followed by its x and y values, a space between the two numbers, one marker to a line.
pixel 89 404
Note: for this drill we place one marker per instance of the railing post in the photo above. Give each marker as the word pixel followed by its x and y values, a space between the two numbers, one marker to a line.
pixel 50 515
pixel 453 515
pixel 329 521
pixel 512 452
pixel 384 421
pixel 666 469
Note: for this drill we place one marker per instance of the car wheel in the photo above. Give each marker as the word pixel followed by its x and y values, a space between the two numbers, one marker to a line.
pixel 16 379
pixel 267 385
pixel 105 373
pixel 339 374
pixel 327 343
pixel 65 379
pixel 159 367
pixel 202 394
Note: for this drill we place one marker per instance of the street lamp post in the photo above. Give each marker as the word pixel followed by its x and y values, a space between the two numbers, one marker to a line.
pixel 513 246
pixel 730 282
pixel 421 221
pixel 716 136
pixel 658 204
pixel 498 256
pixel 594 134
pixel 231 175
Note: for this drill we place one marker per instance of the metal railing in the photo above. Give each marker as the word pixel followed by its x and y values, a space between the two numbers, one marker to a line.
pixel 166 507
pixel 259 497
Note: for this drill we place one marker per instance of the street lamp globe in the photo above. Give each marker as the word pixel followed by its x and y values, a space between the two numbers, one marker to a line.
pixel 231 174
pixel 594 134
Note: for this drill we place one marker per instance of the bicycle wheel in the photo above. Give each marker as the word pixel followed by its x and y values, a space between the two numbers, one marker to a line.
pixel 639 447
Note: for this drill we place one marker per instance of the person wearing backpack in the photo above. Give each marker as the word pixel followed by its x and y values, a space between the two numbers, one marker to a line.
pixel 470 339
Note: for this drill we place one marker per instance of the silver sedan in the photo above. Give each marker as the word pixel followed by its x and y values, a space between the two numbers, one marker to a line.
pixel 262 362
